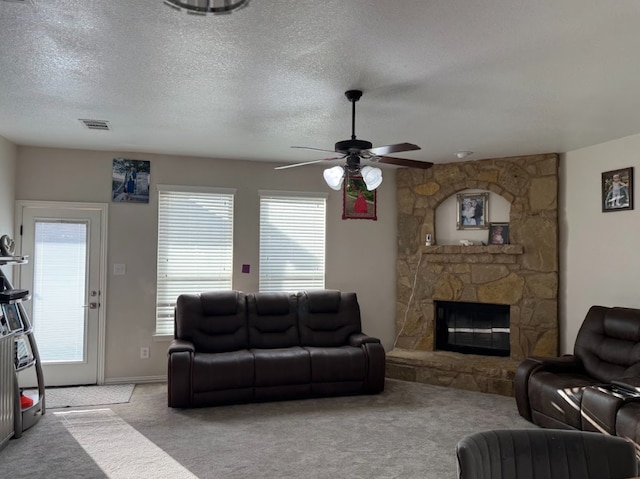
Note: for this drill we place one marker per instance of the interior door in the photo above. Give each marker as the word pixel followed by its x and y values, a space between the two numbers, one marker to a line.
pixel 65 245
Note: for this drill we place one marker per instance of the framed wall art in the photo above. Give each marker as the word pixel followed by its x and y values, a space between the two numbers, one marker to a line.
pixel 617 190
pixel 472 211
pixel 130 181
pixel 358 202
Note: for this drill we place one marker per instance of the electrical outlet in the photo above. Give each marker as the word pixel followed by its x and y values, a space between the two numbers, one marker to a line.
pixel 144 353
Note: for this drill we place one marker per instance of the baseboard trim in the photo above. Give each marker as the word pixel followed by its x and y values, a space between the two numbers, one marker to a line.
pixel 137 380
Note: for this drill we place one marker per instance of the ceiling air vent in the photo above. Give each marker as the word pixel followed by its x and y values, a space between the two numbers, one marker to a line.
pixel 96 124
pixel 25 2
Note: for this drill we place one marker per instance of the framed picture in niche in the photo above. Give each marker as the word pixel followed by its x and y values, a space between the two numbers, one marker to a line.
pixel 498 233
pixel 617 190
pixel 472 211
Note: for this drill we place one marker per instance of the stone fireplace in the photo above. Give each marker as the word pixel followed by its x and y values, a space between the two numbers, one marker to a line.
pixel 522 275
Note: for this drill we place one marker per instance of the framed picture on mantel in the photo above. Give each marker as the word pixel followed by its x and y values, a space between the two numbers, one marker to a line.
pixel 617 190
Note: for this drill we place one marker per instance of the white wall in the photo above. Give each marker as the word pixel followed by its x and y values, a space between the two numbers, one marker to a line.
pixel 361 254
pixel 600 257
pixel 8 154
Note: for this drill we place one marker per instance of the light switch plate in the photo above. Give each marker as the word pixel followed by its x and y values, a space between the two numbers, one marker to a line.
pixel 119 269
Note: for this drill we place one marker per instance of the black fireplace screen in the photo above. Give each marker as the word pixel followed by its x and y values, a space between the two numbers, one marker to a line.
pixel 472 328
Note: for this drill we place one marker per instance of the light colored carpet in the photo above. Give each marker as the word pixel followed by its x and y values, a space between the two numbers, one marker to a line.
pixel 117 448
pixel 409 431
pixel 83 396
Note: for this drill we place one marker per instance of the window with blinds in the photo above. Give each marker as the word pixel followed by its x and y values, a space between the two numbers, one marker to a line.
pixel 292 241
pixel 195 246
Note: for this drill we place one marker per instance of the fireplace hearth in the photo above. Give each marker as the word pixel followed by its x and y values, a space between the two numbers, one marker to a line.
pixel 472 328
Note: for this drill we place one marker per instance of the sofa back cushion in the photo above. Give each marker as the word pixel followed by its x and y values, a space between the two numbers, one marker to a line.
pixel 215 321
pixel 608 343
pixel 273 320
pixel 327 317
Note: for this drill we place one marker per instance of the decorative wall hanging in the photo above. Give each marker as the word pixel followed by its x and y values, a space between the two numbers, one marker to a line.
pixel 130 181
pixel 617 190
pixel 358 202
pixel 472 212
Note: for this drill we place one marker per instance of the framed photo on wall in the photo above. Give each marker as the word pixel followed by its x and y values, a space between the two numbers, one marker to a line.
pixel 357 201
pixel 472 212
pixel 498 233
pixel 130 181
pixel 617 190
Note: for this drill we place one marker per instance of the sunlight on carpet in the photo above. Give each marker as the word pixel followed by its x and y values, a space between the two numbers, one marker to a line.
pixel 81 396
pixel 117 448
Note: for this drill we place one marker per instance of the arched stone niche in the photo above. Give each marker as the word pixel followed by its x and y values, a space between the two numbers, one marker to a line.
pixel 523 274
pixel 446 216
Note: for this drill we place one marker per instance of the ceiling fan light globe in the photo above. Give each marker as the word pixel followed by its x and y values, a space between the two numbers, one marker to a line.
pixel 334 177
pixel 372 177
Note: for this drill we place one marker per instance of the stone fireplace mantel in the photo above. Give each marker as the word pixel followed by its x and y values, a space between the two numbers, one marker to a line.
pixel 523 275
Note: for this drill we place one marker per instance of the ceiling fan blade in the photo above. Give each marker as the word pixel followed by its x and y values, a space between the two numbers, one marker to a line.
pixel 397 148
pixel 284 167
pixel 313 149
pixel 425 165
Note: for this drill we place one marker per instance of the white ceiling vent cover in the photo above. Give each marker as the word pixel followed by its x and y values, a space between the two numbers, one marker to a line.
pixel 101 125
pixel 24 2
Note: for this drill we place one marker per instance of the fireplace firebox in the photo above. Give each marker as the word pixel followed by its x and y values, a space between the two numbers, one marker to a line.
pixel 472 328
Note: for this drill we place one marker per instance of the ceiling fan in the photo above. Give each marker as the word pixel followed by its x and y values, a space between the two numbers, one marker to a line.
pixel 355 150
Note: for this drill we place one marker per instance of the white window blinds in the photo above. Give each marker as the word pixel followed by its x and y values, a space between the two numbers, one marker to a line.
pixel 292 242
pixel 195 247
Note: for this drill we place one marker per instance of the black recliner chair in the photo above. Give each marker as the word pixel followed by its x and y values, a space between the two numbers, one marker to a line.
pixel 545 454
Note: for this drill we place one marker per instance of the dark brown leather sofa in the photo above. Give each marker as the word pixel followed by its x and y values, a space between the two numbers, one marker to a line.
pixel 234 347
pixel 595 389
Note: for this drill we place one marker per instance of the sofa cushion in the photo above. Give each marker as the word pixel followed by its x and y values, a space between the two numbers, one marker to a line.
pixel 327 318
pixel 558 396
pixel 273 320
pixel 344 363
pixel 231 370
pixel 608 343
pixel 214 322
pixel 281 366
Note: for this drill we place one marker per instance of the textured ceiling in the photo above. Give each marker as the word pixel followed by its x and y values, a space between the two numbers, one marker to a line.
pixel 495 77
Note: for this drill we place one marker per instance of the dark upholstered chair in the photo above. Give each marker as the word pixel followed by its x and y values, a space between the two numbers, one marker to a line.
pixel 545 454
pixel 570 392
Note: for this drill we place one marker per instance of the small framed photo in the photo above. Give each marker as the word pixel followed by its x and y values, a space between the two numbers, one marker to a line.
pixel 130 180
pixel 472 211
pixel 498 233
pixel 357 201
pixel 617 190
pixel 12 316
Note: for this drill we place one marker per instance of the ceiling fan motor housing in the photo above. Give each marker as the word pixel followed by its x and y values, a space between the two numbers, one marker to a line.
pixel 352 146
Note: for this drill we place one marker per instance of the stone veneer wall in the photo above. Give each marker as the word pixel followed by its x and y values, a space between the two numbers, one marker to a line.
pixel 523 274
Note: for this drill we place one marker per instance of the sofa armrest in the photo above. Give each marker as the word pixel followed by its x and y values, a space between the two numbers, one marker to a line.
pixel 180 356
pixel 180 345
pixel 358 339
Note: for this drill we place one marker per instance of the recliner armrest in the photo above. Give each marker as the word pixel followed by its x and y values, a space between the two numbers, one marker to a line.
pixel 358 339
pixel 631 383
pixel 180 345
pixel 562 364
pixel 532 365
